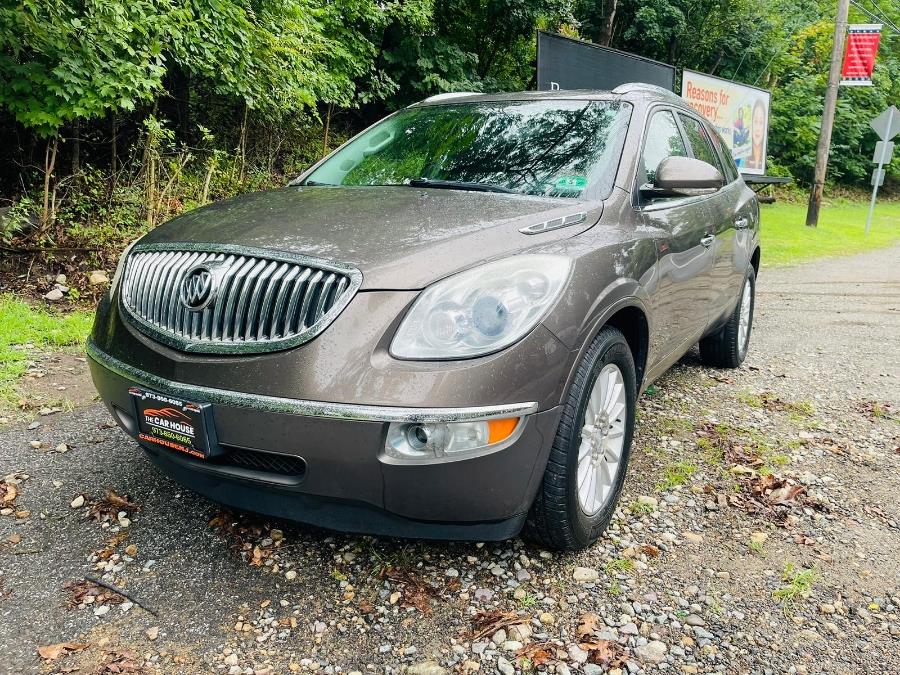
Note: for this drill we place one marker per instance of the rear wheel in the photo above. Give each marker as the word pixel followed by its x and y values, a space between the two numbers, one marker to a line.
pixel 589 458
pixel 728 347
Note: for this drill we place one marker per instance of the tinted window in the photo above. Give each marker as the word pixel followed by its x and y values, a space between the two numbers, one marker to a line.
pixel 699 140
pixel 663 140
pixel 555 148
pixel 731 172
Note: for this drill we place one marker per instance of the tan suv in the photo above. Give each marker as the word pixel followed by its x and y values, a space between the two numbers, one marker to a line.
pixel 439 330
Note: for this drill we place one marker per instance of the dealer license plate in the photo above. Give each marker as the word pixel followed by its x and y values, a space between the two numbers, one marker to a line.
pixel 172 423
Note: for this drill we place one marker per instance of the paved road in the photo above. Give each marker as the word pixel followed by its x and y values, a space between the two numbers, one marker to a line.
pixel 818 386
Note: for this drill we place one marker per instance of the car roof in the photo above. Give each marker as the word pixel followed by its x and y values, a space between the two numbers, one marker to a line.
pixel 633 91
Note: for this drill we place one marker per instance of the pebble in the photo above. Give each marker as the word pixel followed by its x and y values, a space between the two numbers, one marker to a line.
pixel 547 619
pixel 586 575
pixel 426 668
pixel 505 667
pixel 78 502
pixel 694 620
pixel 152 633
pixel 652 652
pixel 290 575
pixel 577 654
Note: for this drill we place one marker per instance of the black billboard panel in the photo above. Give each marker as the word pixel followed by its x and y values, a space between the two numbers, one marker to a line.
pixel 566 63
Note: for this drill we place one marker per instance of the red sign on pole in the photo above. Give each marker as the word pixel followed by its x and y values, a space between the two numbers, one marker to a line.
pixel 859 60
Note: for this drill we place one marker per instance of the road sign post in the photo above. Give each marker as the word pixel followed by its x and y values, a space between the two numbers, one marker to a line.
pixel 886 125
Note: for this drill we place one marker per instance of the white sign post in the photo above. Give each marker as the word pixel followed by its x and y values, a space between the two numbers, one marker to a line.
pixel 886 125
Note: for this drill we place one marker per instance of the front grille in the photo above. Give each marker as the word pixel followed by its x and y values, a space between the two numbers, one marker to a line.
pixel 260 300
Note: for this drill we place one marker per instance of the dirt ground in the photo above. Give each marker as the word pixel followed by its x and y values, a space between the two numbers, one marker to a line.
pixel 759 532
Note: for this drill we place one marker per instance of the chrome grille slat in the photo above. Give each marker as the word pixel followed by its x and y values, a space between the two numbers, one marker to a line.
pixel 308 293
pixel 263 300
pixel 265 322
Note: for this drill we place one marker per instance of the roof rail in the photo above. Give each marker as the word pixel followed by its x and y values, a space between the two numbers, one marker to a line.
pixel 450 94
pixel 629 87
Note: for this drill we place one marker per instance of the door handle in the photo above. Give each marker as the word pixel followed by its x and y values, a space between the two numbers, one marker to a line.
pixel 741 223
pixel 708 240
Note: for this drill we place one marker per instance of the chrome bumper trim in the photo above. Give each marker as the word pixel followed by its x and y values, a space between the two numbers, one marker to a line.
pixel 277 404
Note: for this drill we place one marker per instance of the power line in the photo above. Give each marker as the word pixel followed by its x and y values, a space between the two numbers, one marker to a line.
pixel 875 17
pixel 884 16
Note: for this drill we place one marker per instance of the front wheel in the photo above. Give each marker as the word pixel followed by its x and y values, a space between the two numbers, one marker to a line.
pixel 589 458
pixel 728 347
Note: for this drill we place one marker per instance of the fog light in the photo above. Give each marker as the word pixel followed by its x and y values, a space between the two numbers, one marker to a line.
pixel 429 440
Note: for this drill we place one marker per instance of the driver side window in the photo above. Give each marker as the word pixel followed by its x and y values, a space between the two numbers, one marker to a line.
pixel 663 140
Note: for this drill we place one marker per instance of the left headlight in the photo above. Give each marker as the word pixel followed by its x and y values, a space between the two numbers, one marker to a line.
pixel 481 310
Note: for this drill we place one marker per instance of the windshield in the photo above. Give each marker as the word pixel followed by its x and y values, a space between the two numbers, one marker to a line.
pixel 554 148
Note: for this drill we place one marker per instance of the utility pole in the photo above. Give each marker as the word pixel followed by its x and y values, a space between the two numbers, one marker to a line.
pixel 834 77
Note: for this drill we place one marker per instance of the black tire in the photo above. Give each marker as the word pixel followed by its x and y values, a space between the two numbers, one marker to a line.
pixel 556 520
pixel 723 349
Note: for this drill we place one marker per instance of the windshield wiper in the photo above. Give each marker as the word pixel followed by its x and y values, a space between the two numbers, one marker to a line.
pixel 458 185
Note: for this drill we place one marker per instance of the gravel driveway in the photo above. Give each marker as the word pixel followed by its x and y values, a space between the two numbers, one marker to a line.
pixel 759 532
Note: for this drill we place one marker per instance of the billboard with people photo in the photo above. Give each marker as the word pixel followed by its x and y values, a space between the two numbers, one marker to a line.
pixel 739 112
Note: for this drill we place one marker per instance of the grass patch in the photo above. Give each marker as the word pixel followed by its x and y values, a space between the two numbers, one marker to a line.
pixel 640 508
pixel 619 565
pixel 676 474
pixel 841 231
pixel 22 323
pixel 756 546
pixel 798 586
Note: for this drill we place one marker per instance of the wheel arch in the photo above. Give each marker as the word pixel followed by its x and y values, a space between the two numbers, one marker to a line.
pixel 629 316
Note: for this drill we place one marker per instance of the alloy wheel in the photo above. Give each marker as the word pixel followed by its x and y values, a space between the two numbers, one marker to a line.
pixel 602 439
pixel 744 320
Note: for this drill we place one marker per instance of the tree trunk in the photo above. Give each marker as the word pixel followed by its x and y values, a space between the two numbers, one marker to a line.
pixel 76 149
pixel 609 19
pixel 49 165
pixel 242 145
pixel 113 148
pixel 327 126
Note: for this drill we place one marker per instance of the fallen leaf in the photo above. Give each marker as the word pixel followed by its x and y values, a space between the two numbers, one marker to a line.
pixel 53 652
pixel 651 550
pixel 605 652
pixel 587 624
pixel 538 653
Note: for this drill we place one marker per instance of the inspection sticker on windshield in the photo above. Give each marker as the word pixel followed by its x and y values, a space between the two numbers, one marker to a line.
pixel 571 183
pixel 171 423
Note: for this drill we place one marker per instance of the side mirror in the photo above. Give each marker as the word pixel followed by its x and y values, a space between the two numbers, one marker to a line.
pixel 684 177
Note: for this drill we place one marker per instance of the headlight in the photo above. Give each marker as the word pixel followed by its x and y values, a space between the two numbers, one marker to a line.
pixel 481 310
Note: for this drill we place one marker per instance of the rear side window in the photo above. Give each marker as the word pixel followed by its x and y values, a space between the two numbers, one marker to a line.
pixel 663 140
pixel 731 172
pixel 699 140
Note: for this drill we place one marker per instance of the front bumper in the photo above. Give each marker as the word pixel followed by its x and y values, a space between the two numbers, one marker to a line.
pixel 322 463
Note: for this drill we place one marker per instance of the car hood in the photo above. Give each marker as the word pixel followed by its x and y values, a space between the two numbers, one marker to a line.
pixel 398 237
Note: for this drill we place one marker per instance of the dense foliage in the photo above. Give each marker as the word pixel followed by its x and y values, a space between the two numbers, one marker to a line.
pixel 115 114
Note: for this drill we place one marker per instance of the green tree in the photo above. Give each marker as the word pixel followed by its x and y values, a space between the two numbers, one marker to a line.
pixel 61 61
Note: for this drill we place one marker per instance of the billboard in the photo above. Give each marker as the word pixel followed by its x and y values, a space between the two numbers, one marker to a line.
pixel 566 63
pixel 739 112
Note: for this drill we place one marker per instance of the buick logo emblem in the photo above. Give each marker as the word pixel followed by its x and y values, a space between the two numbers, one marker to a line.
pixel 198 288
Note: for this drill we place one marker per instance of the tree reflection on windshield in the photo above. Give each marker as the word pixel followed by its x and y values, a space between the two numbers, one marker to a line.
pixel 558 148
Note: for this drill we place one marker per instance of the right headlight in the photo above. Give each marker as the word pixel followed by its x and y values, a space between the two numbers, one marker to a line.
pixel 481 310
